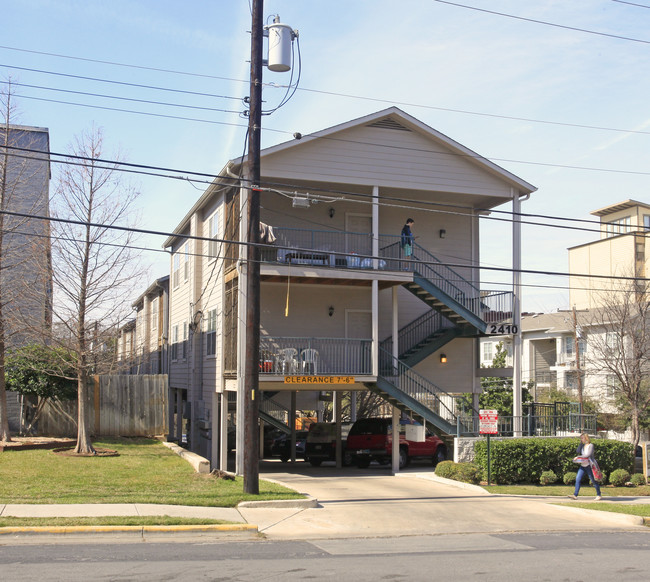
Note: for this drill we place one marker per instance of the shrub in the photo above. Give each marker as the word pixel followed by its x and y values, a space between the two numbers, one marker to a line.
pixel 445 469
pixel 469 473
pixel 570 478
pixel 548 478
pixel 619 477
pixel 638 479
pixel 522 460
pixel 466 472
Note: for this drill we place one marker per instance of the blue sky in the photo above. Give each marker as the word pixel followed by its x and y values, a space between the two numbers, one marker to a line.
pixel 424 56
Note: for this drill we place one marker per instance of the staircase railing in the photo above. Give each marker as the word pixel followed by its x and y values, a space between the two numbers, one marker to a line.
pixel 417 331
pixel 490 306
pixel 419 388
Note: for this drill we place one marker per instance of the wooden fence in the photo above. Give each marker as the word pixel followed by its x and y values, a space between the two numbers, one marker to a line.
pixel 120 405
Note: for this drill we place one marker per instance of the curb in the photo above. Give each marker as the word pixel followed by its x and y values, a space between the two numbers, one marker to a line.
pixel 307 503
pixel 139 530
pixel 200 464
pixel 445 481
pixel 614 517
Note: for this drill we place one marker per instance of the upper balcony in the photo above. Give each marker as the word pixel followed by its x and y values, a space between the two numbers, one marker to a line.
pixel 348 255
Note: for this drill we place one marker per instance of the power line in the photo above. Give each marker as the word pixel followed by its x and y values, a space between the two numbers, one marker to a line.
pixel 317 91
pixel 309 250
pixel 132 99
pixel 631 3
pixel 270 187
pixel 122 83
pixel 619 37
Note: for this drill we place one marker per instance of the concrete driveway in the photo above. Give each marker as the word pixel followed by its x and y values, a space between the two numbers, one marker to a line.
pixel 372 502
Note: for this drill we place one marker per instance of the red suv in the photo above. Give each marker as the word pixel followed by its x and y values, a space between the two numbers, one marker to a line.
pixel 371 439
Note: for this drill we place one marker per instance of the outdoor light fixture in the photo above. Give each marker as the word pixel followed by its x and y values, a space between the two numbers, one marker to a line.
pixel 443 233
pixel 443 359
pixel 330 311
pixel 331 212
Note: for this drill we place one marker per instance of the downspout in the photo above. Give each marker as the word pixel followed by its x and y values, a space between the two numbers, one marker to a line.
pixel 517 408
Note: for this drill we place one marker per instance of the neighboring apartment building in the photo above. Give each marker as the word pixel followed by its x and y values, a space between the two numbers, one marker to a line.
pixel 340 302
pixel 622 251
pixel 548 354
pixel 143 342
pixel 25 262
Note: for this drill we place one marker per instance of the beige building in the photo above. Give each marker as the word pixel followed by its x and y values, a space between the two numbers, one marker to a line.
pixel 343 308
pixel 623 250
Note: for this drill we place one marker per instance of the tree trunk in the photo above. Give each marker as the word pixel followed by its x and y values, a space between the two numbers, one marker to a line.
pixel 4 416
pixel 84 444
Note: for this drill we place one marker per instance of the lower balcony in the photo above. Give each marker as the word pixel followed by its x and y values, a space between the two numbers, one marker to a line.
pixel 309 356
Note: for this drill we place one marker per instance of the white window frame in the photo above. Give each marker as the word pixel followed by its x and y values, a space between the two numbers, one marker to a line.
pixel 174 346
pixel 213 233
pixel 176 270
pixel 211 334
pixel 186 261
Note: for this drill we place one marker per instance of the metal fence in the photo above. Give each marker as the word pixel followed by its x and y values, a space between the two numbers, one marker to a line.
pixel 315 356
pixel 529 425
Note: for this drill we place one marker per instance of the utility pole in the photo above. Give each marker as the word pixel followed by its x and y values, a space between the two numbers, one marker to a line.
pixel 576 350
pixel 252 346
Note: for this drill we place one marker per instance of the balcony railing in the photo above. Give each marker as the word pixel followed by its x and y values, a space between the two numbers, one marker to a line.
pixel 417 331
pixel 300 356
pixel 528 425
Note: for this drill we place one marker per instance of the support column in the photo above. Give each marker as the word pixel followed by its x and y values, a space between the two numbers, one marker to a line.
pixel 395 451
pixel 517 409
pixel 375 327
pixel 395 330
pixel 338 397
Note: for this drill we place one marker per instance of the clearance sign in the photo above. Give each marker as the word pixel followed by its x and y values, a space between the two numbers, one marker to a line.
pixel 319 379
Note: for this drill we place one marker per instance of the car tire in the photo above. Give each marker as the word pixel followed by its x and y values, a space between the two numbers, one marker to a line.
pixel 403 457
pixel 348 459
pixel 440 456
pixel 284 459
pixel 315 462
pixel 363 463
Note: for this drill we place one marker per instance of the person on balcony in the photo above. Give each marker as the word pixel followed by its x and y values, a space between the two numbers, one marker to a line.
pixel 407 240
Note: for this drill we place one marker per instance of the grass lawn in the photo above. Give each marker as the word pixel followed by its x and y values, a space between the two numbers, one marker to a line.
pixel 106 520
pixel 144 472
pixel 640 510
pixel 586 491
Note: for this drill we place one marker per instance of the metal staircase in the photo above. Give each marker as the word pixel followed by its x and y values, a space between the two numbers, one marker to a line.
pixel 458 308
pixel 404 388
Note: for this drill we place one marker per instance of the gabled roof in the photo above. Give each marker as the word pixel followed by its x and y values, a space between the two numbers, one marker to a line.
pixel 395 117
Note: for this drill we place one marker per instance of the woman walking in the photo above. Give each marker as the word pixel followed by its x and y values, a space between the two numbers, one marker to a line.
pixel 585 452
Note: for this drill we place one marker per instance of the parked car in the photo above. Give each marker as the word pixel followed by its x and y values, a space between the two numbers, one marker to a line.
pixel 282 446
pixel 321 443
pixel 371 439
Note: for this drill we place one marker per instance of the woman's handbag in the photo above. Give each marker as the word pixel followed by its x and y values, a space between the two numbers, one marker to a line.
pixel 595 469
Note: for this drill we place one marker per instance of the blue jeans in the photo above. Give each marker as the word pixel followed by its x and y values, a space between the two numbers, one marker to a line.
pixel 581 471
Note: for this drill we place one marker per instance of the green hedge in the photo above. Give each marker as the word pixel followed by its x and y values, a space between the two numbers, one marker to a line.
pixel 523 460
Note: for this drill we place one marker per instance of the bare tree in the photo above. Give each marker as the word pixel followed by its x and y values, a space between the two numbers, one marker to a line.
pixel 619 347
pixel 24 195
pixel 94 264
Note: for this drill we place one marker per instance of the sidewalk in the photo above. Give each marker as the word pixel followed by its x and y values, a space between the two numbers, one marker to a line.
pixel 362 505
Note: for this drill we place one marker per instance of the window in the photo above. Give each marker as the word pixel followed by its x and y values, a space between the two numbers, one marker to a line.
pixel 177 270
pixel 213 233
pixel 620 226
pixel 646 221
pixel 211 333
pixel 569 347
pixel 154 315
pixel 184 344
pixel 174 343
pixel 612 385
pixel 186 261
pixel 488 352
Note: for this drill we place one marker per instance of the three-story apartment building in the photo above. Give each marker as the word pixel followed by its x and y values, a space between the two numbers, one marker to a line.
pixel 343 307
